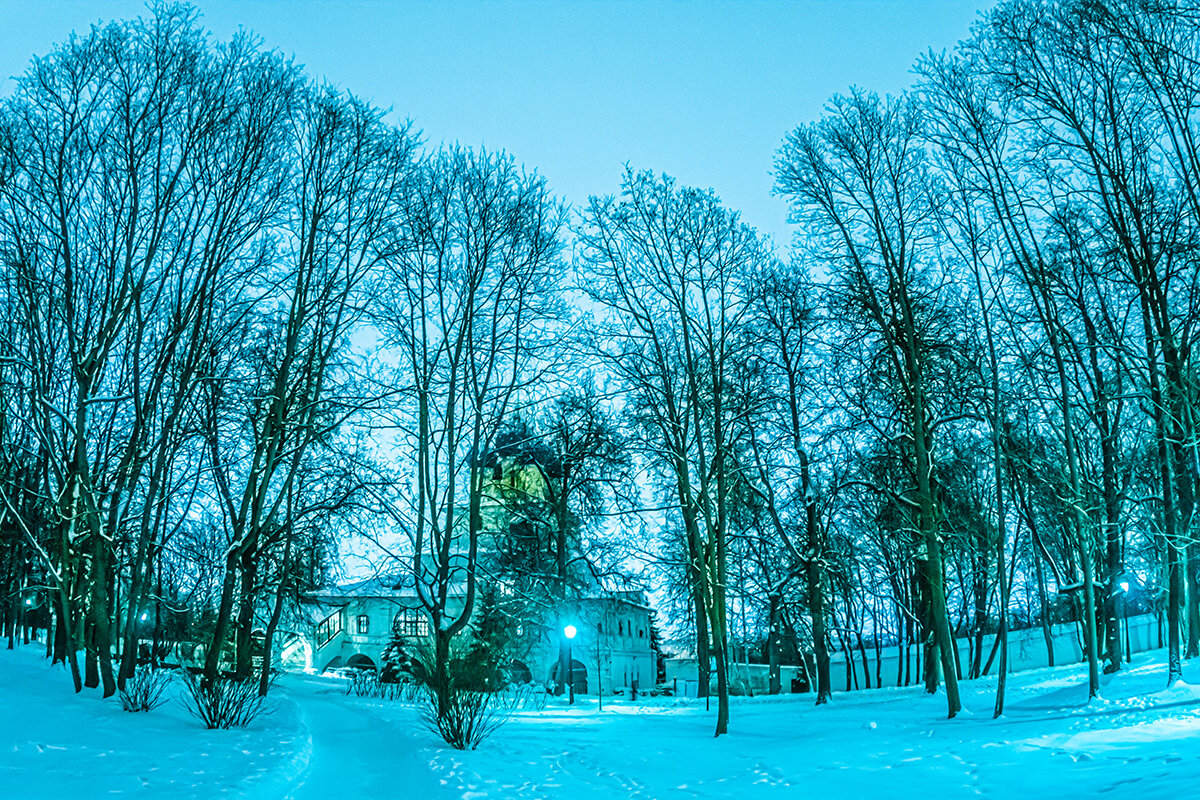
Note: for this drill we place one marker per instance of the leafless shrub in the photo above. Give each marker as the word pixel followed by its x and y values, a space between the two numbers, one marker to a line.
pixel 466 717
pixel 522 697
pixel 367 684
pixel 224 703
pixel 144 691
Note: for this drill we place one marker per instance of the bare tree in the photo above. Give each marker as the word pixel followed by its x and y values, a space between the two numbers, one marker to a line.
pixel 553 541
pixel 282 386
pixel 670 267
pixel 142 154
pixel 787 324
pixel 1080 87
pixel 469 304
pixel 857 179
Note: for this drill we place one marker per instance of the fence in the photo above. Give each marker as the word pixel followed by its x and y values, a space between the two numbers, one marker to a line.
pixel 1026 650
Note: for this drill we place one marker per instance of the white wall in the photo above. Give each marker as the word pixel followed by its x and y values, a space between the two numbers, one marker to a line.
pixel 1026 650
pixel 626 659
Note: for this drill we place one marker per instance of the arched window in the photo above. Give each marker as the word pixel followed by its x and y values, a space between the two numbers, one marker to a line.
pixel 411 622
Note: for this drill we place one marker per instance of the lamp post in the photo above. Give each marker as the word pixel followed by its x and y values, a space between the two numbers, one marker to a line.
pixel 569 632
pixel 599 685
pixel 1124 584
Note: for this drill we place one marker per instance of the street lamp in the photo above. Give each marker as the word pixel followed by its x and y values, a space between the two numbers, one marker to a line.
pixel 1124 584
pixel 569 632
pixel 599 678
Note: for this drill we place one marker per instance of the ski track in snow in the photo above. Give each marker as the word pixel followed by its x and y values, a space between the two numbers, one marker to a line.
pixel 1137 738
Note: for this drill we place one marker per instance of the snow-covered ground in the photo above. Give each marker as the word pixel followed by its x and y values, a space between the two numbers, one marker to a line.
pixel 57 744
pixel 1138 740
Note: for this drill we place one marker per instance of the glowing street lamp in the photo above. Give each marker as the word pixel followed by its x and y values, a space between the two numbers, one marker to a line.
pixel 1124 584
pixel 569 632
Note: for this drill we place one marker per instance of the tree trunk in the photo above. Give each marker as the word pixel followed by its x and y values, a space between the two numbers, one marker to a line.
pixel 264 678
pixel 773 643
pixel 99 609
pixel 91 661
pixel 722 686
pixel 244 627
pixel 699 606
pixel 137 583
pixel 212 658
pixel 979 592
pixel 65 648
pixel 441 668
pixel 814 573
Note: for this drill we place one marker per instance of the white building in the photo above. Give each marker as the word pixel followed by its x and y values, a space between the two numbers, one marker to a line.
pixel 350 625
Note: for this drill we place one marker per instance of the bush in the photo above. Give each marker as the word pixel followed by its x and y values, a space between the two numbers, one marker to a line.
pixel 522 697
pixel 463 703
pixel 467 709
pixel 144 691
pixel 468 718
pixel 478 659
pixel 226 703
pixel 397 665
pixel 365 683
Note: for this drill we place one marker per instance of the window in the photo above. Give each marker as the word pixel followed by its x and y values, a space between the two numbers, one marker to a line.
pixel 621 628
pixel 411 622
pixel 329 627
pixel 364 624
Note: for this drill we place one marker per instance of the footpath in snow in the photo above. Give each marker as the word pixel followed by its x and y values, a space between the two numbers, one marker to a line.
pixel 1137 739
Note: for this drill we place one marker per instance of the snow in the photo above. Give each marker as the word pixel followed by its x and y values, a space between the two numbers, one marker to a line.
pixel 58 744
pixel 1139 737
pixel 357 751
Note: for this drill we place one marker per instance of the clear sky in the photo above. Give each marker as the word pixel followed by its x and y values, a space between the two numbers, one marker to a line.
pixel 703 91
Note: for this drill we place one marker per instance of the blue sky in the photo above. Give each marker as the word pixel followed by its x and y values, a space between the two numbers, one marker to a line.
pixel 703 91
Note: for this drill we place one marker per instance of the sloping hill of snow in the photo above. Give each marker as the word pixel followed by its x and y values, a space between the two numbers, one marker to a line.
pixel 1139 737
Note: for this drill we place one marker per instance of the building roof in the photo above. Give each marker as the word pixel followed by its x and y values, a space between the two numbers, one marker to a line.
pixel 314 613
pixel 636 598
pixel 397 585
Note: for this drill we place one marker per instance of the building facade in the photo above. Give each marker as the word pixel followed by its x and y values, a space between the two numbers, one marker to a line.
pixel 519 547
pixel 351 626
